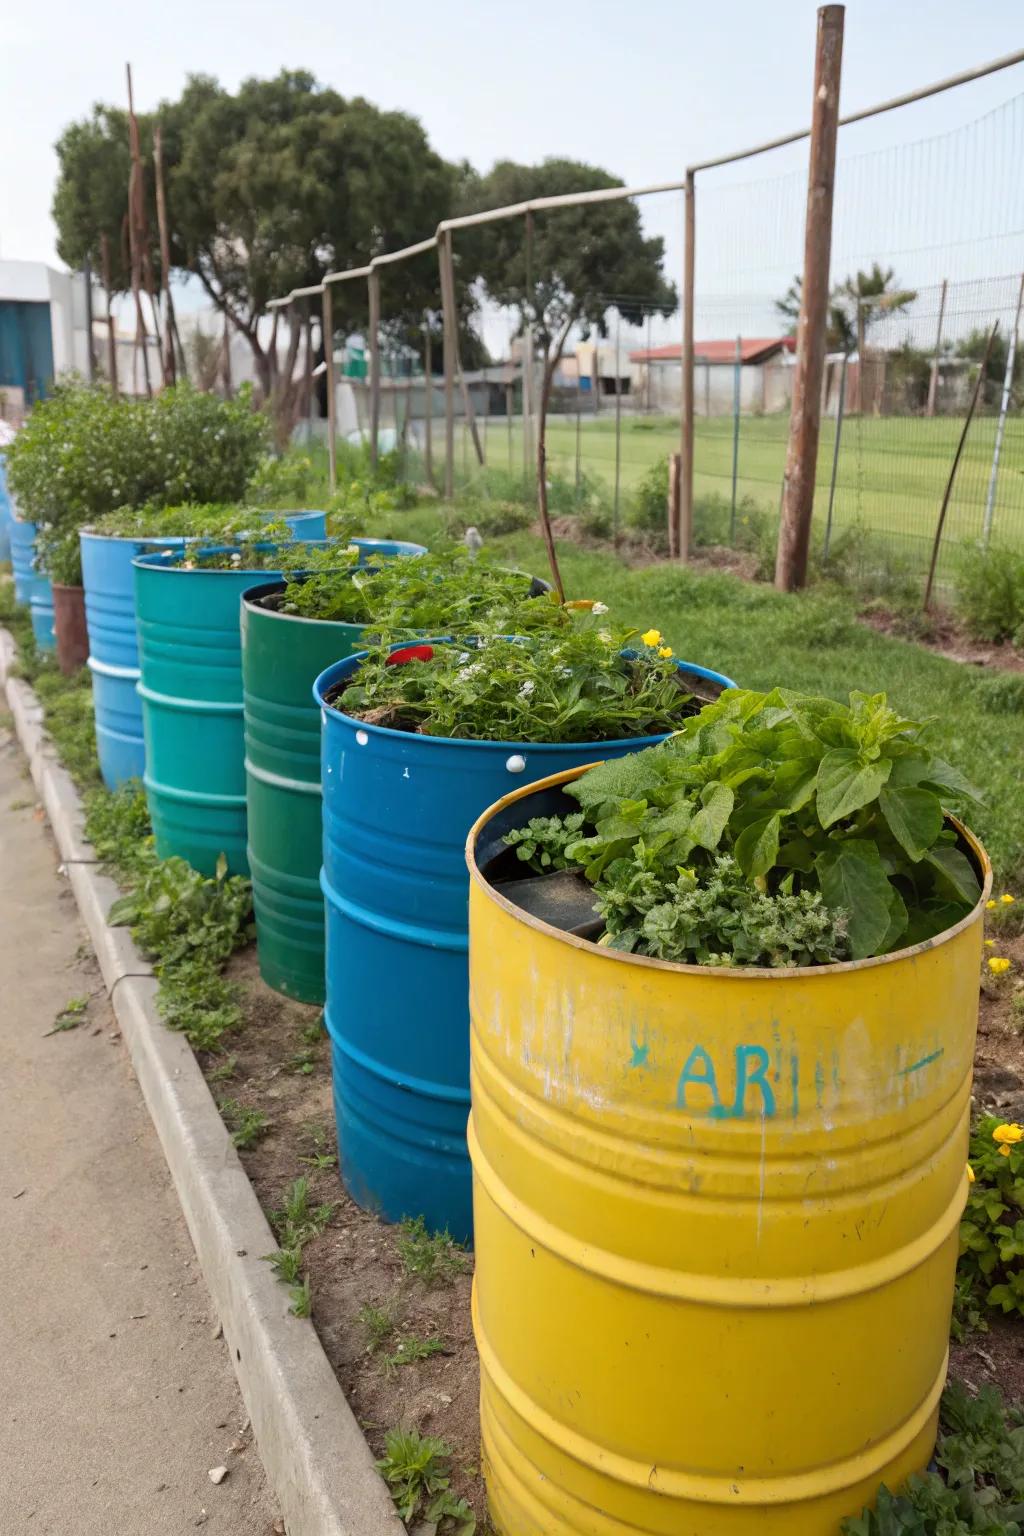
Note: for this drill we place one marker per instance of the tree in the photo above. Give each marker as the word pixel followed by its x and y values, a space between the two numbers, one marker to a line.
pixel 91 199
pixel 840 336
pixel 268 188
pixel 584 261
pixel 569 267
pixel 974 345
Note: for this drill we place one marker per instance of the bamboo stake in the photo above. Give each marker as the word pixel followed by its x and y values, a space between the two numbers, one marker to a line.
pixel 955 465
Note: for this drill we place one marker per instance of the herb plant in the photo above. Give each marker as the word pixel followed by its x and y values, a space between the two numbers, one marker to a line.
pixel 979 1487
pixel 574 686
pixel 442 593
pixel 773 829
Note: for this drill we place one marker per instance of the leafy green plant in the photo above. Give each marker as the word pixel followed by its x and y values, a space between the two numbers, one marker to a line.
pixel 432 1257
pixel 70 1016
pixel 576 687
pixel 247 1125
pixel 992 1229
pixel 775 829
pixel 442 593
pixel 543 841
pixel 179 916
pixel 84 453
pixel 411 1349
pixel 224 1071
pixel 303 1062
pixel 990 593
pixel 301 1298
pixel 379 1323
pixel 414 1466
pixel 298 1220
pixel 286 1264
pixel 979 1487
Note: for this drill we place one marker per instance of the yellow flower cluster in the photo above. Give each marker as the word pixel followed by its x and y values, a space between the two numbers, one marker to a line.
pixel 1008 1136
pixel 653 638
pixel 998 965
pixel 1005 900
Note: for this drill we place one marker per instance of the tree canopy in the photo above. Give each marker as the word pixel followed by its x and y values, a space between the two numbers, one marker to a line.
pixel 268 188
pixel 583 261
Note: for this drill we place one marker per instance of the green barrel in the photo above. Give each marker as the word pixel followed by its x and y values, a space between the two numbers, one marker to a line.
pixel 190 685
pixel 281 654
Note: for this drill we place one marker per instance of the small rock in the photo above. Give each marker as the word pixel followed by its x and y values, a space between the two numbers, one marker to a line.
pixel 217 1474
pixel 218 1332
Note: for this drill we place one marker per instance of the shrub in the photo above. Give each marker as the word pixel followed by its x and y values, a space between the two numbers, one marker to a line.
pixel 647 509
pixel 990 594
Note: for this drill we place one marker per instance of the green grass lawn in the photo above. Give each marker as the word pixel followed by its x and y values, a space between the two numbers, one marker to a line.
pixel 811 642
pixel 891 476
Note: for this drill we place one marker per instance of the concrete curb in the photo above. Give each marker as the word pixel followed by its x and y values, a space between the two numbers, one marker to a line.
pixel 316 1458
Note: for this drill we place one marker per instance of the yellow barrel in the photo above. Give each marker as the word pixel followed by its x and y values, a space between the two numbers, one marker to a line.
pixel 716 1219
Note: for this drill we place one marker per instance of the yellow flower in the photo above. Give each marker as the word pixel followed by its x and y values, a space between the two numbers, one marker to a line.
pixel 1008 1134
pixel 665 651
pixel 970 1174
pixel 1004 1151
pixel 990 906
pixel 990 943
pixel 998 965
pixel 1006 899
pixel 582 602
pixel 653 637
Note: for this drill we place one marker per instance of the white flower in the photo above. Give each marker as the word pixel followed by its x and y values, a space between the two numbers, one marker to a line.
pixel 599 608
pixel 527 688
pixel 463 657
pixel 605 635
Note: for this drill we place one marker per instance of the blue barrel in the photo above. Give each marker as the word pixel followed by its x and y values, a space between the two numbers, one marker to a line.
pixel 397 809
pixel 368 548
pixel 6 511
pixel 23 554
pixel 113 650
pixel 31 587
pixel 190 685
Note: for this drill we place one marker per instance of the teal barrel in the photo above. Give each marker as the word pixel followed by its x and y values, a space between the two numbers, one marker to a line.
pixel 108 579
pixel 190 684
pixel 281 655
pixel 31 588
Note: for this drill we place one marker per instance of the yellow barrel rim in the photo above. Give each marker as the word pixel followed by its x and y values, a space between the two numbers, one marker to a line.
pixel 726 972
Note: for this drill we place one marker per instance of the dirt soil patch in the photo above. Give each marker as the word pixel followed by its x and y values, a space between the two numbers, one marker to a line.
pixel 940 632
pixel 370 1309
pixel 280 1065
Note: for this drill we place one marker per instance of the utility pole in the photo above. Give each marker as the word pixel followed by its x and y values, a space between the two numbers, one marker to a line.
pixel 805 414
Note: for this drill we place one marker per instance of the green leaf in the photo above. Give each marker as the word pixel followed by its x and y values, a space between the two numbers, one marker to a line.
pixel 124 912
pixel 709 823
pixel 845 783
pixel 621 778
pixel 955 874
pixel 914 816
pixel 757 848
pixel 852 878
pixel 897 923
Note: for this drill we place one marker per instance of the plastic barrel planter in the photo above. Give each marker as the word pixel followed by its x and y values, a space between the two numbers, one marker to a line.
pixel 31 587
pixel 6 511
pixel 190 685
pixel 717 1218
pixel 113 649
pixel 281 655
pixel 397 807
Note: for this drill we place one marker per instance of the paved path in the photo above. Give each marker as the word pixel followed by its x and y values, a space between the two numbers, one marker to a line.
pixel 116 1396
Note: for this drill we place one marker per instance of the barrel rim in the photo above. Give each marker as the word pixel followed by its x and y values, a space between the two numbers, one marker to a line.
pixel 160 560
pixel 338 669
pixel 250 600
pixel 174 539
pixel 711 972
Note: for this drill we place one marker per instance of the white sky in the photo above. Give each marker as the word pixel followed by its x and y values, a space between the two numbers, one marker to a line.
pixel 640 89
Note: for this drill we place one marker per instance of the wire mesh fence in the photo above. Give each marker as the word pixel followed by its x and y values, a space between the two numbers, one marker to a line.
pixel 904 355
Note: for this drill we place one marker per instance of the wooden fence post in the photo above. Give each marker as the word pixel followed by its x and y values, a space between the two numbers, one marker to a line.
pixel 805 412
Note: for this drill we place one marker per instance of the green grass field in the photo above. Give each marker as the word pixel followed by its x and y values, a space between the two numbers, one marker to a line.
pixel 891 475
